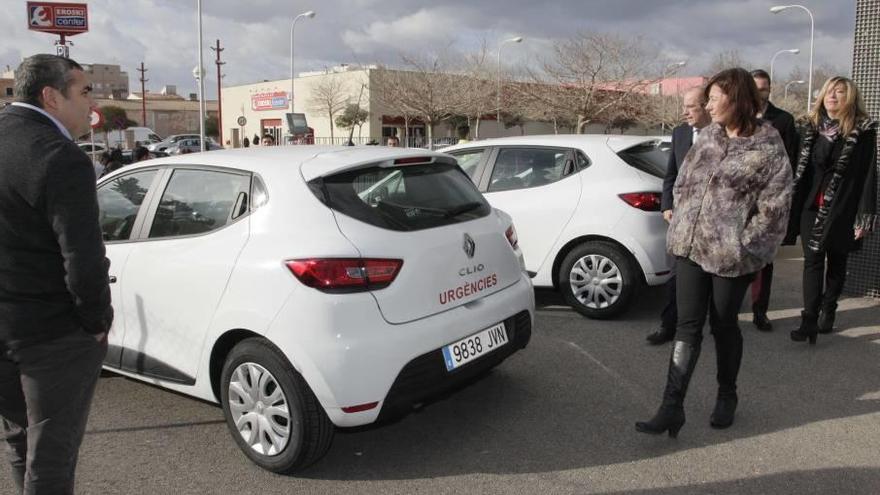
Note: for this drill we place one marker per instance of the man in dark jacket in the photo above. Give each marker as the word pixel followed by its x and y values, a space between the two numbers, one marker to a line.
pixel 54 295
pixel 784 123
pixel 683 136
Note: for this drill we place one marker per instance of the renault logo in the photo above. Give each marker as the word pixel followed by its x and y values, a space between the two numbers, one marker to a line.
pixel 469 246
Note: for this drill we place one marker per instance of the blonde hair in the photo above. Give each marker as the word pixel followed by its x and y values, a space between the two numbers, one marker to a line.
pixel 852 111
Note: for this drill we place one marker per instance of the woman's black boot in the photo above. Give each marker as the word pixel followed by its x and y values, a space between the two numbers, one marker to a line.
pixel 826 318
pixel 808 329
pixel 670 416
pixel 728 351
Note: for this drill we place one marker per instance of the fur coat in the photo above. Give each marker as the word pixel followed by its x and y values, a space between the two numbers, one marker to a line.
pixel 732 201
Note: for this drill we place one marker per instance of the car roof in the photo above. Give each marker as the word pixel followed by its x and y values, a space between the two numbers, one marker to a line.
pixel 313 161
pixel 616 142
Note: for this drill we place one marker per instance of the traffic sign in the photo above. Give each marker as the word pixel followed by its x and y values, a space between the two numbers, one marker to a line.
pixel 96 118
pixel 242 121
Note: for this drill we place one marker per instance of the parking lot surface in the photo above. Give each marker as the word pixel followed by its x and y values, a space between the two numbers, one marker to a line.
pixel 555 418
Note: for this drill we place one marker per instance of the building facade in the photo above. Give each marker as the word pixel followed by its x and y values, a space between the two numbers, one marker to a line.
pixel 864 266
pixel 108 81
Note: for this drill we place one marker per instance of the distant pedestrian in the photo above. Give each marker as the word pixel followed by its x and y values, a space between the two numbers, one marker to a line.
pixel 835 198
pixel 463 132
pixel 696 119
pixel 246 142
pixel 268 140
pixel 392 141
pixel 140 154
pixel 731 206
pixel 54 290
pixel 114 162
pixel 783 122
pixel 256 140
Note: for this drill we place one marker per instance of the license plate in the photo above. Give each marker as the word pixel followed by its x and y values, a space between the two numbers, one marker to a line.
pixel 474 346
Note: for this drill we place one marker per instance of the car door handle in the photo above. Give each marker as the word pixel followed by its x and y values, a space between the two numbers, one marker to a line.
pixel 112 279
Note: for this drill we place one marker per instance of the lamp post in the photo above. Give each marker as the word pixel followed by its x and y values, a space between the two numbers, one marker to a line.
pixel 517 39
pixel 794 51
pixel 779 8
pixel 200 69
pixel 308 14
pixel 785 93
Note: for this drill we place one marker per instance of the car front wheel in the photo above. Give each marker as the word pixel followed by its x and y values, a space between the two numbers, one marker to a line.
pixel 597 279
pixel 271 412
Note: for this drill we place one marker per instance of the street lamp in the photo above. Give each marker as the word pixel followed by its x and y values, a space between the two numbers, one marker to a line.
pixel 779 8
pixel 794 51
pixel 308 14
pixel 785 93
pixel 517 39
pixel 200 69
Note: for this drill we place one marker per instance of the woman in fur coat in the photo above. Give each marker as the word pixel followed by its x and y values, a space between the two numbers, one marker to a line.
pixel 732 200
pixel 835 202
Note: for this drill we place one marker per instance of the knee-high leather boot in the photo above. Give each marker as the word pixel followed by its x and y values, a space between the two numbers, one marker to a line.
pixel 670 416
pixel 728 350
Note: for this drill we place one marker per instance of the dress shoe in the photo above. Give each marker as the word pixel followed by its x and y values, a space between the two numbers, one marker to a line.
pixel 661 336
pixel 762 322
pixel 826 318
pixel 808 329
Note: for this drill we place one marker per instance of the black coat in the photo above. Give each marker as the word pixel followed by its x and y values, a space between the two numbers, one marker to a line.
pixel 850 195
pixel 784 123
pixel 53 273
pixel 682 139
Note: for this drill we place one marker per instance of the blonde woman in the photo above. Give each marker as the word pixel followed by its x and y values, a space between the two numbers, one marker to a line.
pixel 835 199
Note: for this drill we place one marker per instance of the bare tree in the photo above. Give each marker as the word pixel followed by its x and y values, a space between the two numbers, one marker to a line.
pixel 591 74
pixel 385 86
pixel 727 59
pixel 427 88
pixel 665 111
pixel 329 97
pixel 474 94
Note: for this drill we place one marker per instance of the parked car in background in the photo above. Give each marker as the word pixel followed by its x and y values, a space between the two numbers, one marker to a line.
pixel 586 208
pixel 94 150
pixel 169 141
pixel 190 145
pixel 304 288
pixel 143 135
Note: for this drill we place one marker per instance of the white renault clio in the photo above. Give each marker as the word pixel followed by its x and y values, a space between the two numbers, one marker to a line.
pixel 307 287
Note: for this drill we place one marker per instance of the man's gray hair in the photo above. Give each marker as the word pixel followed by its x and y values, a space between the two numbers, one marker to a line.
pixel 38 71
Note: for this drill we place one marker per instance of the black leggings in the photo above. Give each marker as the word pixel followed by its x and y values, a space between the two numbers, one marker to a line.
pixel 699 292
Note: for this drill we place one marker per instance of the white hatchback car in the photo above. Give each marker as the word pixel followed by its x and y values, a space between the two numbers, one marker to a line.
pixel 587 209
pixel 307 287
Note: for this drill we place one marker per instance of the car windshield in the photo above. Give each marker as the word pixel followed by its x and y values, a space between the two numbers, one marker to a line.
pixel 649 157
pixel 404 198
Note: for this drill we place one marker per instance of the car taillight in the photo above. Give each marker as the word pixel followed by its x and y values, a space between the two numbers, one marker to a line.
pixel 647 201
pixel 345 274
pixel 511 236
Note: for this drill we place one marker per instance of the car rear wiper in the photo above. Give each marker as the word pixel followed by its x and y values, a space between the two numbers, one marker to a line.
pixel 458 210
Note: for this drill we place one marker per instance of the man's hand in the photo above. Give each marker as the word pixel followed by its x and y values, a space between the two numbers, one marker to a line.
pixel 860 233
pixel 100 337
pixel 667 215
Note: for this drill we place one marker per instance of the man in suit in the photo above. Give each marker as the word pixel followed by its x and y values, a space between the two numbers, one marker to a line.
pixel 54 295
pixel 784 123
pixel 683 136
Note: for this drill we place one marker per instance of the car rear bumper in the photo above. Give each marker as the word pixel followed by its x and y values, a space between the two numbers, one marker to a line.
pixel 352 356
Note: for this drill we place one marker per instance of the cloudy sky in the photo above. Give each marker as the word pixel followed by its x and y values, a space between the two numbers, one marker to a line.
pixel 256 33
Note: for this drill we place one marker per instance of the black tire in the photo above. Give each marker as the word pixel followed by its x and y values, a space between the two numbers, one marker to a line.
pixel 586 254
pixel 311 431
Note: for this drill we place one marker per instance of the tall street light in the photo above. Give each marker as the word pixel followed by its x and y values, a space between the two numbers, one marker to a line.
pixel 308 14
pixel 517 39
pixel 200 68
pixel 794 51
pixel 779 8
pixel 785 93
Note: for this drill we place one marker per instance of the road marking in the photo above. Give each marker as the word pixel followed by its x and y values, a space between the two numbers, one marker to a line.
pixel 633 389
pixel 844 305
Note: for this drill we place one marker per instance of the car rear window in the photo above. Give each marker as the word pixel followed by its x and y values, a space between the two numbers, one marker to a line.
pixel 651 158
pixel 404 198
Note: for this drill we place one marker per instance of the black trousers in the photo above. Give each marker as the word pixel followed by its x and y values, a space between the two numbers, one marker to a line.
pixel 46 390
pixel 824 272
pixel 669 314
pixel 761 289
pixel 700 293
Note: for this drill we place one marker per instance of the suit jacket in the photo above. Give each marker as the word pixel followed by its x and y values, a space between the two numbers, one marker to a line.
pixel 53 272
pixel 682 139
pixel 784 123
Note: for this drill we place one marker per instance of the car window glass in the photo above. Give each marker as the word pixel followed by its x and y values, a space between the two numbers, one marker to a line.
pixel 519 168
pixel 197 201
pixel 582 161
pixel 469 160
pixel 119 201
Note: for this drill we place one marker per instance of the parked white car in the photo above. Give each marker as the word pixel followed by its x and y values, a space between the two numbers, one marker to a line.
pixel 587 209
pixel 306 287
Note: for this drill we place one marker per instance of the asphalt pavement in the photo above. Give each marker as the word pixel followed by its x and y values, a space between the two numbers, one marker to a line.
pixel 555 418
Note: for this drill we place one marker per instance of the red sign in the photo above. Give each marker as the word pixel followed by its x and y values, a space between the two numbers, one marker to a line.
pixel 269 101
pixel 96 118
pixel 59 18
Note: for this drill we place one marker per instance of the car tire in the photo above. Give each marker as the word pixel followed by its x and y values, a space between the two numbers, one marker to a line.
pixel 597 265
pixel 256 369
